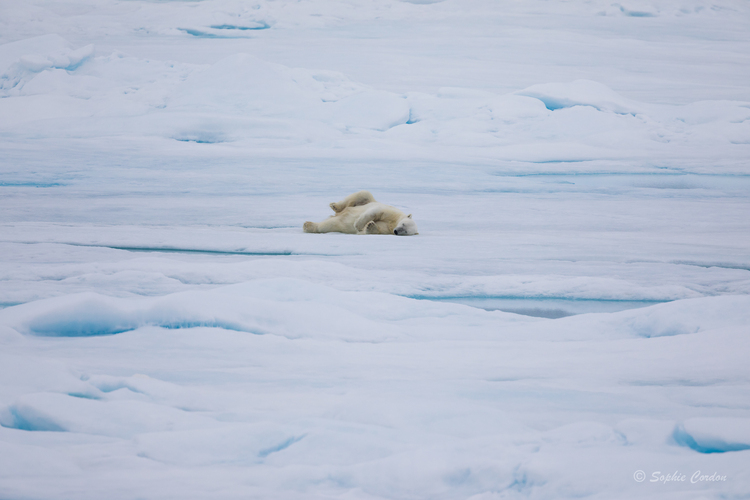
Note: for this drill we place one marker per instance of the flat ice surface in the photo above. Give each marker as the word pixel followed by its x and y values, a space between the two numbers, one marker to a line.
pixel 570 322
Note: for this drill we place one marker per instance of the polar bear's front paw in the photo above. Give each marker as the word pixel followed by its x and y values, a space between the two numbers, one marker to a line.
pixel 309 227
pixel 371 228
pixel 335 207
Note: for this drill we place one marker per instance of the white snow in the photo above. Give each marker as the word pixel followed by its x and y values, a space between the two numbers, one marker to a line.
pixel 574 311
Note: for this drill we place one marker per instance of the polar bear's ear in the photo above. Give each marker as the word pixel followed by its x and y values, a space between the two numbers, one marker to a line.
pixel 408 216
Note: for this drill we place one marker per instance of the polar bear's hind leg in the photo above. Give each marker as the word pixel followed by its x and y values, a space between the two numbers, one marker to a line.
pixel 353 200
pixel 333 224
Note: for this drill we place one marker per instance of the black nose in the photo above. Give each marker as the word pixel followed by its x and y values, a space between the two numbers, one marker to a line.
pixel 395 232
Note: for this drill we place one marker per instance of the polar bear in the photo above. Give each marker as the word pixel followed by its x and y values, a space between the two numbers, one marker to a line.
pixel 359 213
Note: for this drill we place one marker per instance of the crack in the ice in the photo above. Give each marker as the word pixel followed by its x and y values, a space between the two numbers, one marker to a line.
pixel 281 446
pixel 262 25
pixel 676 383
pixel 539 307
pixel 195 250
pixel 277 253
pixel 709 265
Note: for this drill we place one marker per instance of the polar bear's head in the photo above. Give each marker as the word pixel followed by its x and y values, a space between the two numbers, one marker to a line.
pixel 406 227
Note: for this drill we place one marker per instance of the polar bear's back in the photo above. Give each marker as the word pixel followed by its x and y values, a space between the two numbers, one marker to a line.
pixel 388 216
pixel 374 205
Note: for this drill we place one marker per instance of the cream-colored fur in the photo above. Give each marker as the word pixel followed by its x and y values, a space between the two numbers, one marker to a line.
pixel 353 200
pixel 359 213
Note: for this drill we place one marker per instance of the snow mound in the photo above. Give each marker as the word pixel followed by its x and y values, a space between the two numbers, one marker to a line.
pixel 714 435
pixel 89 314
pixel 247 443
pixel 645 431
pixel 244 84
pixel 580 93
pixel 584 434
pixel 669 319
pixel 69 413
pixel 22 61
pixel 687 316
pixel 371 109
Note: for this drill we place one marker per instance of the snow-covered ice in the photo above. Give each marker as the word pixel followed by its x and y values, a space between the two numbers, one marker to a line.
pixel 571 321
